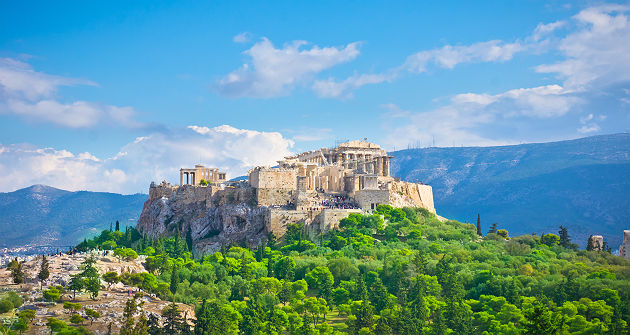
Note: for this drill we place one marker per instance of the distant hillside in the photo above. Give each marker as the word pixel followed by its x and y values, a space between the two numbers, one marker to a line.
pixel 583 184
pixel 43 215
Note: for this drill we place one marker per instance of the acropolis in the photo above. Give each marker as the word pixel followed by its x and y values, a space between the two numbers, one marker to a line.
pixel 316 188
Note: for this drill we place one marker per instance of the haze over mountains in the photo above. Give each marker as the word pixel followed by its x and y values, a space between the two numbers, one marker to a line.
pixel 583 184
pixel 44 215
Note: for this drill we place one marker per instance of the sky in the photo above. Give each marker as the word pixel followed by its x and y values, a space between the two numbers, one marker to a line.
pixel 109 96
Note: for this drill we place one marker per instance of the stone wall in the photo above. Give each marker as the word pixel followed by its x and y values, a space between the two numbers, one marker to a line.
pixel 273 196
pixel 315 221
pixel 273 178
pixel 369 199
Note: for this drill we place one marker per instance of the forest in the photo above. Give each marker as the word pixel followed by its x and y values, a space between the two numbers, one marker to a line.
pixel 395 271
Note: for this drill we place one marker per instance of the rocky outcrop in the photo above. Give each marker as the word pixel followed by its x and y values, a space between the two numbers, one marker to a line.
pixel 214 216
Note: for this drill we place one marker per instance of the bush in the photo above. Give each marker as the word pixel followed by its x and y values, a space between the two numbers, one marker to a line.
pixel 14 298
pixel 52 294
pixel 5 305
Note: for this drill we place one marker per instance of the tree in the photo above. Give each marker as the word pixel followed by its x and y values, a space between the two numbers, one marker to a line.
pixel 321 278
pixel 214 318
pixel 589 243
pixel 128 314
pixel 92 280
pixel 51 294
pixel 17 273
pixel 76 319
pixel 44 272
pixel 479 225
pixel 77 284
pixel 172 318
pixel 117 225
pixel 72 307
pixel 92 314
pixel 189 239
pixel 174 280
pixel 111 278
pixel 540 320
pixel 565 241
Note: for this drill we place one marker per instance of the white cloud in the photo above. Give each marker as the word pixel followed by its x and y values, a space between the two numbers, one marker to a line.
pixel 243 37
pixel 544 29
pixel 598 52
pixel 449 56
pixel 32 95
pixel 394 111
pixel 333 89
pixel 460 121
pixel 275 72
pixel 154 157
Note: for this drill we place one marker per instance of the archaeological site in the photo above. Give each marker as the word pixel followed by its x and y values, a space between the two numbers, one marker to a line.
pixel 316 188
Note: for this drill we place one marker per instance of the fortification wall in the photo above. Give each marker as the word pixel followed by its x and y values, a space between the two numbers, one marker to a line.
pixel 278 219
pixel 329 218
pixel 369 199
pixel 273 196
pixel 273 178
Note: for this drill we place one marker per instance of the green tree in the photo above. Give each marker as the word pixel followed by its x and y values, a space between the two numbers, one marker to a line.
pixel 76 319
pixel 174 280
pixel 111 278
pixel 92 314
pixel 117 225
pixel 479 225
pixel 51 294
pixel 322 279
pixel 91 278
pixel 77 284
pixel 17 273
pixel 172 318
pixel 214 318
pixel 44 272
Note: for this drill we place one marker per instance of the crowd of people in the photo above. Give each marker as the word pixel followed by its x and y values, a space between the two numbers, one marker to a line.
pixel 337 202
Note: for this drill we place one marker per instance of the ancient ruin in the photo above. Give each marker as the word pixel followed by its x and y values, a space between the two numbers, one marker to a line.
pixel 317 188
pixel 199 175
pixel 624 249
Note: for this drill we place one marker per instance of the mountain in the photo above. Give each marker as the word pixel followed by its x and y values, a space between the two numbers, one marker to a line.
pixel 583 184
pixel 44 215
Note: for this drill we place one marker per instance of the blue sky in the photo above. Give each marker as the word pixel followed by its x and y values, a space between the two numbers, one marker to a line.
pixel 109 96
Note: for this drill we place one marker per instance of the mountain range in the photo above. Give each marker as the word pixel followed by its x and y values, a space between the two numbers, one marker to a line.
pixel 41 215
pixel 582 184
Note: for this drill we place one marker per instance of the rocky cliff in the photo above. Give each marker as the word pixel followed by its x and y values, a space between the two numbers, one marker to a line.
pixel 214 216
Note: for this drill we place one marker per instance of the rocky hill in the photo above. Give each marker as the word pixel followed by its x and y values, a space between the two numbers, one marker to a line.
pixel 44 215
pixel 583 184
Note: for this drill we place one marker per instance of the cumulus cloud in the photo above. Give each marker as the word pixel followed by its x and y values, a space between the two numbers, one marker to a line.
pixel 33 95
pixel 154 157
pixel 460 120
pixel 597 53
pixel 276 71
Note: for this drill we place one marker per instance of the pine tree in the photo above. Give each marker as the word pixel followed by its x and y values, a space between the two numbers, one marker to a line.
pixel 174 280
pixel 110 227
pixel 589 243
pixel 44 271
pixel 117 225
pixel 189 239
pixel 565 241
pixel 128 314
pixel 16 271
pixel 479 225
pixel 172 318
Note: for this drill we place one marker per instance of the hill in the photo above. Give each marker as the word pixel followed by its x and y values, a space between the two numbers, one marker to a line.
pixel 583 184
pixel 44 215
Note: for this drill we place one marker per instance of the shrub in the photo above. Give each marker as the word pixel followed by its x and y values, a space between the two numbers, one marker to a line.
pixel 5 305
